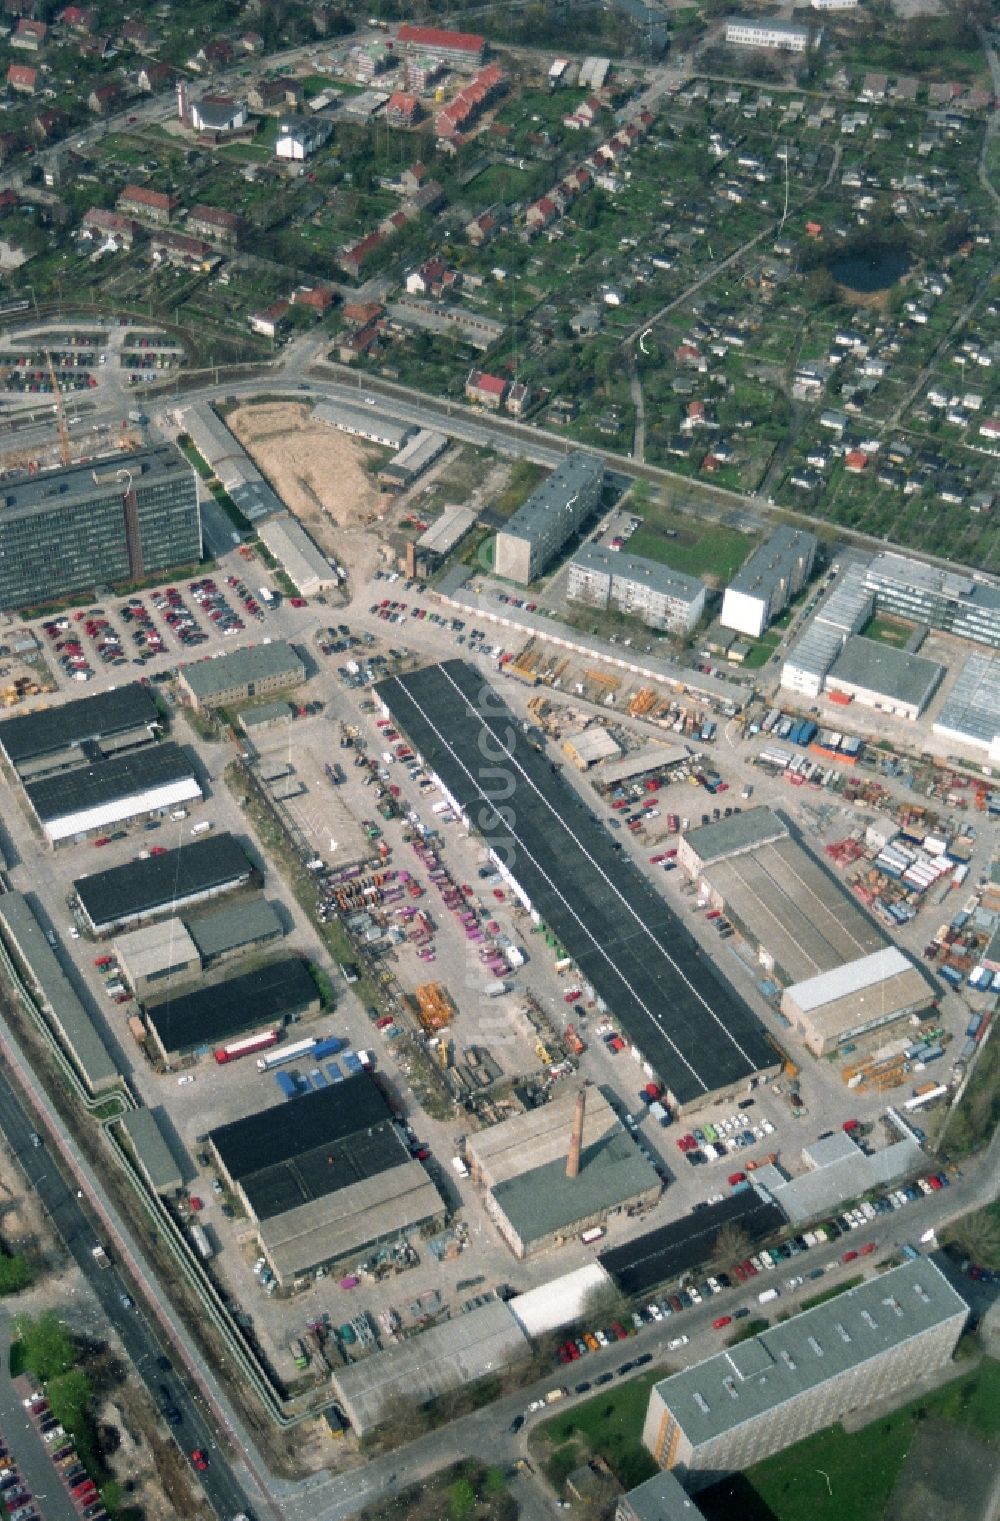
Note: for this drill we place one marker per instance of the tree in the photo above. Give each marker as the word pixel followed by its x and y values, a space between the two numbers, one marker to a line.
pixel 732 1244
pixel 48 1346
pixel 603 1303
pixel 461 1500
pixel 69 1396
pixel 15 1274
pixel 978 1236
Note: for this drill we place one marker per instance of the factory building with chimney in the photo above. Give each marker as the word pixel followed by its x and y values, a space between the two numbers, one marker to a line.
pixel 551 1173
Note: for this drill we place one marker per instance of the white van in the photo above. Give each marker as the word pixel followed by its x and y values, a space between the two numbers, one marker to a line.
pixel 767 1295
pixel 178 815
pixel 202 828
pixel 460 1167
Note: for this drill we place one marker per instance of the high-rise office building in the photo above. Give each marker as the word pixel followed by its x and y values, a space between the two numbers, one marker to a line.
pixel 117 520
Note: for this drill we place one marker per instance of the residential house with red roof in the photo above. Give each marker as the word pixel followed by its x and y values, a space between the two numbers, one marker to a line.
pixel 485 390
pixel 22 78
pixel 149 205
pixel 29 35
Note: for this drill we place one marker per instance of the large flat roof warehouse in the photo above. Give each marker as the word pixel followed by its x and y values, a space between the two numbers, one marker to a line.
pixel 783 901
pixel 446 1356
pixel 249 922
pixel 208 1015
pixel 897 677
pixel 835 1006
pixel 81 725
pixel 341 1135
pixel 971 711
pixel 129 893
pixel 251 667
pixel 662 1255
pixel 109 791
pixel 688 1023
pixel 345 1222
pixel 731 837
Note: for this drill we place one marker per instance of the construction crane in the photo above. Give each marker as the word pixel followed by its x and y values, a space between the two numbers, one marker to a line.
pixel 65 450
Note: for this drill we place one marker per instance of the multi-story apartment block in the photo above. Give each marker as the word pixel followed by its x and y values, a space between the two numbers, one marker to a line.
pixel 773 575
pixel 93 525
pixel 661 597
pixel 760 1396
pixel 552 513
pixel 766 32
pixel 460 50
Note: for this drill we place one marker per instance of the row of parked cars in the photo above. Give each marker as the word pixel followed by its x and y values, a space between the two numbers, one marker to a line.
pixel 709 1143
pixel 214 605
pixel 82 1489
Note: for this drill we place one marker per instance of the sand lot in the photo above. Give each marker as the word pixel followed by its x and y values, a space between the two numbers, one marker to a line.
pixel 318 472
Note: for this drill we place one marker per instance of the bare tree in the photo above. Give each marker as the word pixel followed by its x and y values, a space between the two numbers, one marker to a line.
pixel 732 1244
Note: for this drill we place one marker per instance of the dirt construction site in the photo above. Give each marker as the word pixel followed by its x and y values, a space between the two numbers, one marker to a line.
pixel 318 472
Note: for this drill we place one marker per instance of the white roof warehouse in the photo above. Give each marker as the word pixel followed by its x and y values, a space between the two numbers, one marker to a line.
pixel 95 797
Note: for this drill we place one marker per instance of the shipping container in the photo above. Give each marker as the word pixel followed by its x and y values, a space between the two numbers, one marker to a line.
pixel 201 1241
pixel 286 1054
pixel 237 1048
pixel 328 1045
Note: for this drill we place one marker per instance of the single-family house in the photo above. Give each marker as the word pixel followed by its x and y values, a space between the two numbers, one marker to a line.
pixel 270 322
pixel 299 137
pixel 29 36
pixel 272 95
pixel 22 78
pixel 485 390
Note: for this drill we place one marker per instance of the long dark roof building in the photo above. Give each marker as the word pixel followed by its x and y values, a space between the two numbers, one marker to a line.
pixel 686 1021
pixel 141 889
pixel 108 791
pixel 85 724
pixel 269 995
pixel 342 1135
pixel 689 1244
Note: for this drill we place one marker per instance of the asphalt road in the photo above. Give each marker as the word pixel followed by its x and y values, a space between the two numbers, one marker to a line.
pixel 138 1335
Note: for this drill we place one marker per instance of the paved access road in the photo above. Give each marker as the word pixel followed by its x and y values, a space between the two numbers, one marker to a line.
pixel 138 1335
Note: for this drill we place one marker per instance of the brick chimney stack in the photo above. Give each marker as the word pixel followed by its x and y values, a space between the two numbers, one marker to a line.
pixel 576 1137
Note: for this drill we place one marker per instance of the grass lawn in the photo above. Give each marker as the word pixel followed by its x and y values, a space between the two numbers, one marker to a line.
pixel 888 631
pixel 761 652
pixel 698 549
pixel 862 1466
pixel 610 1424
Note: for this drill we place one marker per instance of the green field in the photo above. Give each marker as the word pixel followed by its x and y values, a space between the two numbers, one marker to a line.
pixel 861 1466
pixel 888 631
pixel 698 549
pixel 610 1425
